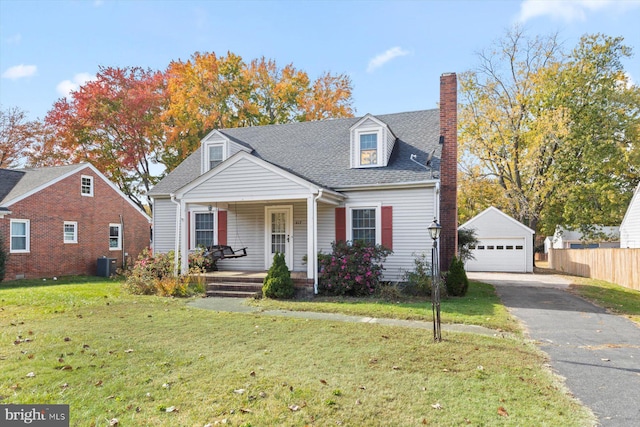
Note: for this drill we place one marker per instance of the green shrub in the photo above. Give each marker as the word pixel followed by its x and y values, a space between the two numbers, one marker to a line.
pixel 456 281
pixel 278 283
pixel 418 281
pixel 352 269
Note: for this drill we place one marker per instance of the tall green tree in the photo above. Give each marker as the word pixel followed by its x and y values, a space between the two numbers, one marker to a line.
pixel 556 132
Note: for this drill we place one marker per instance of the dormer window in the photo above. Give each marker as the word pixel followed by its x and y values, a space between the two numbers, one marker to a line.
pixel 368 149
pixel 216 155
pixel 371 143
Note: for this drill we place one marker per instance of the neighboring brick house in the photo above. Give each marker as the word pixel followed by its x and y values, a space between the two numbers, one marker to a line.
pixel 294 188
pixel 57 221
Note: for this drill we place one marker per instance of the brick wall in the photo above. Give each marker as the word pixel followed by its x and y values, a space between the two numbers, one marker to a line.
pixel 47 211
pixel 448 169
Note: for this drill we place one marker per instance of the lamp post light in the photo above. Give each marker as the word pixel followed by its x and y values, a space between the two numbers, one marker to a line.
pixel 434 231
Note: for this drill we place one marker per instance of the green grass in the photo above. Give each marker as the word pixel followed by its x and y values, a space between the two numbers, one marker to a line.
pixel 481 306
pixel 615 298
pixel 110 355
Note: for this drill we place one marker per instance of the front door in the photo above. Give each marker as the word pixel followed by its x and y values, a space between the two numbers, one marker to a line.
pixel 279 234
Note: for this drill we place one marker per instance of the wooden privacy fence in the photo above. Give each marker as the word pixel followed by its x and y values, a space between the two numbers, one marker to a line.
pixel 619 266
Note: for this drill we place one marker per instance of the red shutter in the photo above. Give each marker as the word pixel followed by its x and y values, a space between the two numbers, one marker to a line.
pixel 341 224
pixel 222 227
pixel 387 227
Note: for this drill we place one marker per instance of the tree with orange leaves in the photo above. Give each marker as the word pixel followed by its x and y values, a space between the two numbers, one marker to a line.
pixel 209 92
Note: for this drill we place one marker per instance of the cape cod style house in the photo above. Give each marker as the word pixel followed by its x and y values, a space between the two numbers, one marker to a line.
pixel 295 188
pixel 57 221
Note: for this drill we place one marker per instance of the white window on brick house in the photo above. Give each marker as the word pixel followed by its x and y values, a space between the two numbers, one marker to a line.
pixel 70 232
pixel 20 236
pixel 86 185
pixel 115 237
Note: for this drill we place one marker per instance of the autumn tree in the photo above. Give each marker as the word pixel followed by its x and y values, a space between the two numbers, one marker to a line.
pixel 113 123
pixel 214 92
pixel 17 134
pixel 539 124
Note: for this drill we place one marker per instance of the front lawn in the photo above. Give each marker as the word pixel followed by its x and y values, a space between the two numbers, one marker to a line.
pixel 147 360
pixel 481 306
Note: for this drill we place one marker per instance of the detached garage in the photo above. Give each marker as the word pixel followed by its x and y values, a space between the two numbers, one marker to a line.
pixel 504 244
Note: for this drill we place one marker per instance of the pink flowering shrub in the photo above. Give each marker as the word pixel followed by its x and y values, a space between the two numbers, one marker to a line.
pixel 352 269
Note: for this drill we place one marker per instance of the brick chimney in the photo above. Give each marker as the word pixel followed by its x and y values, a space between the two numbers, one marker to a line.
pixel 448 169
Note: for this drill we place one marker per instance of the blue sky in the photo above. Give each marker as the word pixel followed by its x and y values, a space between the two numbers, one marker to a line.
pixel 394 51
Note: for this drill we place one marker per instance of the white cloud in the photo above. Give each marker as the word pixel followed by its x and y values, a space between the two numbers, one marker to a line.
pixel 570 10
pixel 65 87
pixel 19 71
pixel 14 39
pixel 382 58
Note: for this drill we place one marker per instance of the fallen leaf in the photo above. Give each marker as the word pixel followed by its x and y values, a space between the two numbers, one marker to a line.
pixel 358 402
pixel 362 387
pixel 323 382
pixel 129 350
pixel 99 383
pixel 606 360
pixel 67 368
pixel 294 408
pixel 114 422
pixel 85 345
pixel 445 370
pixel 15 387
pixel 110 397
pixel 291 388
pixel 395 368
pixel 386 337
pixel 239 391
pixel 65 385
pixel 436 406
pixel 31 356
pixel 245 411
pixel 67 339
pixel 502 412
pixel 252 373
pixel 31 375
pixel 262 394
pixel 171 409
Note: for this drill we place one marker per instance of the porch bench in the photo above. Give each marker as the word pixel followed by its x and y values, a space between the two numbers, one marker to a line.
pixel 217 252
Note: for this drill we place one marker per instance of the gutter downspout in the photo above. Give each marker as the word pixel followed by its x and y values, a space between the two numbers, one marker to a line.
pixel 315 242
pixel 176 244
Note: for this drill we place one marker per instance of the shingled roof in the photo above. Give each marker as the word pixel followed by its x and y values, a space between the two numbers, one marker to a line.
pixel 319 151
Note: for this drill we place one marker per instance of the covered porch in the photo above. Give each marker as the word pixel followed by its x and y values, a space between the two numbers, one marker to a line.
pixel 248 203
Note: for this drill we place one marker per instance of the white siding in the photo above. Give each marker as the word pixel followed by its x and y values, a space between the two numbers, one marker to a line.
pixel 326 227
pixel 254 179
pixel 630 227
pixel 413 212
pixel 245 228
pixel 164 225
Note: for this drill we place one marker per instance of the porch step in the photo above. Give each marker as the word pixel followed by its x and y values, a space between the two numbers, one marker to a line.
pixel 234 289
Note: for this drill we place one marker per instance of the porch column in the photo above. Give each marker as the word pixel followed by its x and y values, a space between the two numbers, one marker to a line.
pixel 184 246
pixel 312 257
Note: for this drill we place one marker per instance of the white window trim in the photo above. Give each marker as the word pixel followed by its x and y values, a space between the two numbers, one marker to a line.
pixel 119 226
pixel 75 232
pixel 192 225
pixel 355 145
pixel 28 237
pixel 208 145
pixel 90 178
pixel 349 219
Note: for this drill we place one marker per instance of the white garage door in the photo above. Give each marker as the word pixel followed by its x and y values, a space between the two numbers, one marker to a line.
pixel 498 255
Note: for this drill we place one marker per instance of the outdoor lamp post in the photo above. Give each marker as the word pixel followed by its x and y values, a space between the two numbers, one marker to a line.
pixel 434 231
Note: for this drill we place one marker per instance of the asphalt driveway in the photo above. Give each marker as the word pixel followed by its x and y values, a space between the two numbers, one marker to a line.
pixel 597 353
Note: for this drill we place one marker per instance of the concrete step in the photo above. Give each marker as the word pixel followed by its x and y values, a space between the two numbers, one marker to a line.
pixel 230 294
